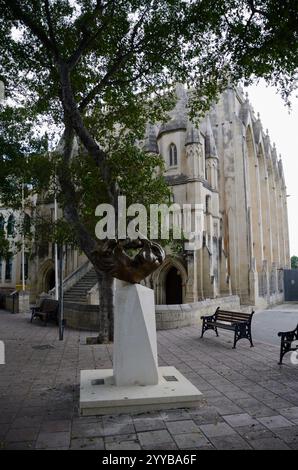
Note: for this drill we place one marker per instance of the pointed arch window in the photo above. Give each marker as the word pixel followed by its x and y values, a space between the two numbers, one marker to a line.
pixel 8 267
pixel 27 224
pixel 208 204
pixel 2 223
pixel 10 225
pixel 173 159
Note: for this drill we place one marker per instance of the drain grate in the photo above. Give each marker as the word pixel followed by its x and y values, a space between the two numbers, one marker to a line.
pixel 42 347
pixel 170 378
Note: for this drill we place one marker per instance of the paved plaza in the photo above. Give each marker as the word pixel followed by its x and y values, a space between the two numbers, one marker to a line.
pixel 250 402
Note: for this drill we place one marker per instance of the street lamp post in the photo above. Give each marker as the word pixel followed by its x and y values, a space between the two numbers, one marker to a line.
pixel 23 242
pixel 61 310
pixel 56 253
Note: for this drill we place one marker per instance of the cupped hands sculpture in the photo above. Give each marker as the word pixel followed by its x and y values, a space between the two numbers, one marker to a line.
pixel 112 258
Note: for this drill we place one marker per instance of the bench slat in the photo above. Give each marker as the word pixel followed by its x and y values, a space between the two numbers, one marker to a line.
pixel 232 317
pixel 231 320
pixel 234 311
pixel 239 314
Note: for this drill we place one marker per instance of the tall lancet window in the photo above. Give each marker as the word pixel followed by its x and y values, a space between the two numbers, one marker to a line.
pixel 173 155
pixel 10 225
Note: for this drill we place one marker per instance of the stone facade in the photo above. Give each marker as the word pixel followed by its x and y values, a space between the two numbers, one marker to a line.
pixel 39 258
pixel 228 165
pixel 11 265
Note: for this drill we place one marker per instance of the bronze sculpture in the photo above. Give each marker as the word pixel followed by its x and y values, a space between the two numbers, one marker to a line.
pixel 112 258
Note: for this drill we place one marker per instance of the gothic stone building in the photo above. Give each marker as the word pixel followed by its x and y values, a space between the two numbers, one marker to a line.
pixel 228 165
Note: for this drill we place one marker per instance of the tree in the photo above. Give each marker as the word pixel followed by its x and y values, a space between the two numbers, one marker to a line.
pixel 294 262
pixel 83 67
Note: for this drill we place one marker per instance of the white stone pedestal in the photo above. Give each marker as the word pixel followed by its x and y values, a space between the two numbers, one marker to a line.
pixel 135 348
pixel 136 384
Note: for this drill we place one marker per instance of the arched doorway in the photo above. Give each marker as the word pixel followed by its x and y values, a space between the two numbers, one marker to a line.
pixel 173 287
pixel 49 282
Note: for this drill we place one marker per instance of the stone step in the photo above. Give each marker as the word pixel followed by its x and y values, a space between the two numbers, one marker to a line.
pixel 78 289
pixel 75 300
pixel 78 292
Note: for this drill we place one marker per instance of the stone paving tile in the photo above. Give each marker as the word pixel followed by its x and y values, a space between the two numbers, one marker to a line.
pixel 215 430
pixel 254 407
pixel 50 440
pixel 229 443
pixel 236 394
pixel 192 440
pixel 6 417
pixel 55 426
pixel 273 422
pixel 210 393
pixel 238 420
pixel 122 442
pixel 83 429
pixel 92 443
pixel 206 415
pixel 160 446
pixel 271 443
pixel 290 413
pixel 122 424
pixel 293 445
pixel 150 438
pixel 248 400
pixel 3 431
pixel 26 445
pixel 174 415
pixel 224 405
pixel 183 426
pixel 289 435
pixel 22 434
pixel 124 445
pixel 148 424
pixel 27 422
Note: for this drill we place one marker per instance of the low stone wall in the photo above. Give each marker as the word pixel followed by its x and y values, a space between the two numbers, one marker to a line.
pixel 276 299
pixel 177 316
pixel 87 317
pixel 82 316
pixel 15 302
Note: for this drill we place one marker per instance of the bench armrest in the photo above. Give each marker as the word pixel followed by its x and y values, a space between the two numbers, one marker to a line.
pixel 290 335
pixel 208 317
pixel 284 333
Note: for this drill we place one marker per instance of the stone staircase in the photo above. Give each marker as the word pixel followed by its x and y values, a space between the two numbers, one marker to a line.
pixel 78 292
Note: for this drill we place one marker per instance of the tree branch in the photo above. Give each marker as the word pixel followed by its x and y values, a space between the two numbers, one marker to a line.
pixel 50 25
pixel 254 10
pixel 86 241
pixel 119 59
pixel 88 38
pixel 74 117
pixel 34 27
pixel 118 62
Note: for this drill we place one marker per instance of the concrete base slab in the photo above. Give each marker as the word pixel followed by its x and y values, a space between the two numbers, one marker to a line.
pixel 99 395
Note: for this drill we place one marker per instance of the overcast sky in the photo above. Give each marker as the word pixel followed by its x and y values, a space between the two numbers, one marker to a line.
pixel 283 130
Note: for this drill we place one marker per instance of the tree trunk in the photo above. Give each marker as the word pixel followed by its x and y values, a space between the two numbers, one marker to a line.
pixel 106 307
